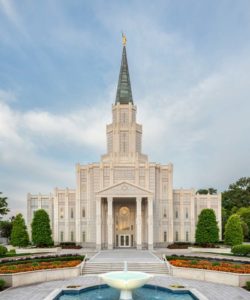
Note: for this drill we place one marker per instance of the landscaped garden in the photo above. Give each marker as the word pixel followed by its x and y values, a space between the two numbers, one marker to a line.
pixel 215 265
pixel 39 263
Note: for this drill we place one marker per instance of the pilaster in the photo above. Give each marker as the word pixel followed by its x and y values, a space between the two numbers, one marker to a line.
pixel 98 223
pixel 150 224
pixel 110 223
pixel 138 223
pixel 66 216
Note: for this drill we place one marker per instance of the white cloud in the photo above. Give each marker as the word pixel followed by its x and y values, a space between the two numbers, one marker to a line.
pixel 9 9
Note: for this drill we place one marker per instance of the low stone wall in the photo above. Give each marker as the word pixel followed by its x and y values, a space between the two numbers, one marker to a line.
pixel 37 250
pixel 210 250
pixel 234 279
pixel 24 278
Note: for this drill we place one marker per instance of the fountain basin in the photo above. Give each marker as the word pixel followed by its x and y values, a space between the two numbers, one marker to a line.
pixel 126 281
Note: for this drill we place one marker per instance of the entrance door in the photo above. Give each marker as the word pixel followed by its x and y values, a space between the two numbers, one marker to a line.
pixel 124 240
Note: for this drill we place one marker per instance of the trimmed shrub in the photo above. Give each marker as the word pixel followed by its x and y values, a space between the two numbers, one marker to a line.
pixel 3 250
pixel 2 284
pixel 241 250
pixel 70 245
pixel 19 235
pixel 233 231
pixel 64 257
pixel 248 285
pixel 180 245
pixel 207 230
pixel 41 231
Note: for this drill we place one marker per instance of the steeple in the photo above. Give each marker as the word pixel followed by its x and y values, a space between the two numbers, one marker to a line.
pixel 124 92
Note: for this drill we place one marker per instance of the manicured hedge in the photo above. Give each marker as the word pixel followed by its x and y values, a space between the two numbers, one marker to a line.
pixel 3 250
pixel 198 258
pixel 180 245
pixel 42 259
pixel 241 250
pixel 2 284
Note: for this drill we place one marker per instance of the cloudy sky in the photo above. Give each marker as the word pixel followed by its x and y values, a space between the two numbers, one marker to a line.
pixel 189 65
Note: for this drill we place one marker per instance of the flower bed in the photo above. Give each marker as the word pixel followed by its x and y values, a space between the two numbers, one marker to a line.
pixel 218 271
pixel 209 265
pixel 39 269
pixel 26 267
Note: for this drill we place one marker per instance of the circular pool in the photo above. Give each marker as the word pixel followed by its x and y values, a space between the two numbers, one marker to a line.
pixel 103 292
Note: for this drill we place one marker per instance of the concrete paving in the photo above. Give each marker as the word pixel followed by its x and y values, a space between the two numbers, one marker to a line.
pixel 211 290
pixel 121 255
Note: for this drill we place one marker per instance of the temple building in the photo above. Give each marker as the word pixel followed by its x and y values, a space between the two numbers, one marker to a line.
pixel 124 200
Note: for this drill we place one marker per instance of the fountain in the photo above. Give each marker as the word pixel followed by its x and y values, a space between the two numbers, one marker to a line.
pixel 126 281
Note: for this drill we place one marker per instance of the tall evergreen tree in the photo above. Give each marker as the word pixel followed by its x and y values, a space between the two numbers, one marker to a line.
pixel 3 205
pixel 207 230
pixel 244 213
pixel 5 229
pixel 41 231
pixel 233 231
pixel 19 235
pixel 237 195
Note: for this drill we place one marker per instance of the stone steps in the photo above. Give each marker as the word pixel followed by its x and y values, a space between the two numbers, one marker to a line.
pixel 98 268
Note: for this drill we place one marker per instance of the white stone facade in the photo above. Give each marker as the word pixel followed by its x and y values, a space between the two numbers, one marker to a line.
pixel 124 200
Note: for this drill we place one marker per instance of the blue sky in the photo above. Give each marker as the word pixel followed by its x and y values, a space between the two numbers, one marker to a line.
pixel 189 65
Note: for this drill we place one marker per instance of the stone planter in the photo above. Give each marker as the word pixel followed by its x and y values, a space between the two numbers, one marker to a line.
pixel 210 250
pixel 235 279
pixel 37 250
pixel 24 278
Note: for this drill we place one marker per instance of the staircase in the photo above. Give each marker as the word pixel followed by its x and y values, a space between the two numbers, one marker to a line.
pixel 103 267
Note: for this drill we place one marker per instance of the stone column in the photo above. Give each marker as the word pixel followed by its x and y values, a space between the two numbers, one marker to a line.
pixel 170 205
pixel 150 224
pixel 78 206
pixel 110 223
pixel 138 223
pixel 66 216
pixel 56 218
pixel 219 216
pixel 192 216
pixel 98 224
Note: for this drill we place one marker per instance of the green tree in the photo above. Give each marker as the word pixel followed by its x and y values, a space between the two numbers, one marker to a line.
pixel 244 213
pixel 19 235
pixel 238 194
pixel 207 230
pixel 41 231
pixel 224 216
pixel 233 231
pixel 5 229
pixel 210 191
pixel 3 205
pixel 245 229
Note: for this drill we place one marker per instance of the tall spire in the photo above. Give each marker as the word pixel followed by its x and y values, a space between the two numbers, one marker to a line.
pixel 124 92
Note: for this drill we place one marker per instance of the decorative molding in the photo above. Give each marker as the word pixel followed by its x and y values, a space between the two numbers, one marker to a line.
pixel 124 189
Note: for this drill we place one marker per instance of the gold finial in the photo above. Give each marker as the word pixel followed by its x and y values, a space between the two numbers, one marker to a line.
pixel 124 39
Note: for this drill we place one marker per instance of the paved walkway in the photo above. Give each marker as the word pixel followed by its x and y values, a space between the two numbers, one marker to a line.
pixel 121 255
pixel 212 291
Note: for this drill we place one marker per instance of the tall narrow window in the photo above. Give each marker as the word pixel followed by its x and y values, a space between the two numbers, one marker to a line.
pixel 176 236
pixel 61 236
pixel 83 212
pixel 61 213
pixel 164 213
pixel 72 236
pixel 72 213
pixel 187 237
pixel 176 214
pixel 186 213
pixel 124 142
pixel 165 236
pixel 83 237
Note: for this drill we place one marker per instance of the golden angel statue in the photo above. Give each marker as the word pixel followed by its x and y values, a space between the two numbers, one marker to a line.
pixel 124 39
